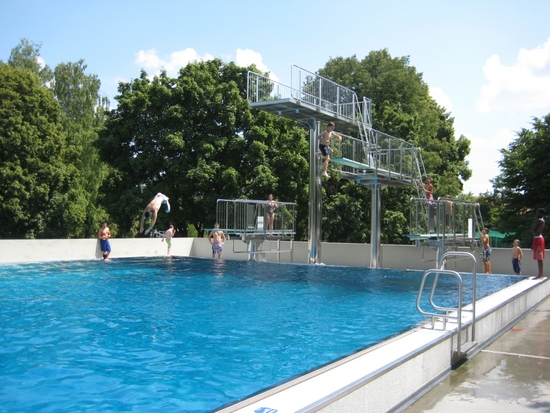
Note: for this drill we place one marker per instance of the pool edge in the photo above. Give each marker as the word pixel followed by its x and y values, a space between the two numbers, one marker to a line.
pixel 385 377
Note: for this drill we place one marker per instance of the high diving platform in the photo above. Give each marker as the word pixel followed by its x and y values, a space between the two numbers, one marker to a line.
pixel 371 156
pixel 365 155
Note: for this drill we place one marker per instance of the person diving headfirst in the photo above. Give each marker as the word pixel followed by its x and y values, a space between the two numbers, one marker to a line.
pixel 152 210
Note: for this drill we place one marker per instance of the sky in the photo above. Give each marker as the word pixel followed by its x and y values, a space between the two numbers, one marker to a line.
pixel 486 61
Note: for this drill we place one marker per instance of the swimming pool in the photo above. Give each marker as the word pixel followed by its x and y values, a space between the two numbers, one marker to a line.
pixel 187 334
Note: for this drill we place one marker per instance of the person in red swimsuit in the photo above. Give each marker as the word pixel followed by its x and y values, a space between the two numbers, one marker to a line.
pixel 538 241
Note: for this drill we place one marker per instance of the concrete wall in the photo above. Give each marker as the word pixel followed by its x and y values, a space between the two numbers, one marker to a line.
pixel 353 255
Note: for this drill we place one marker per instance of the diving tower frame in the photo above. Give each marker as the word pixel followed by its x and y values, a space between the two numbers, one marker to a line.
pixel 373 159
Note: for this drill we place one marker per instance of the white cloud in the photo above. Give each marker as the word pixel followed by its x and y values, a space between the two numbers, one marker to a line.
pixel 483 159
pixel 248 57
pixel 41 62
pixel 441 98
pixel 524 86
pixel 149 59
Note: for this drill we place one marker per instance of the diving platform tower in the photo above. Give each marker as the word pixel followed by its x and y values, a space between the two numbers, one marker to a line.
pixel 371 158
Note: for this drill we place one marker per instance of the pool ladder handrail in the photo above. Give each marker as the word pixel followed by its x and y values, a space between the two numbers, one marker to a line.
pixel 448 314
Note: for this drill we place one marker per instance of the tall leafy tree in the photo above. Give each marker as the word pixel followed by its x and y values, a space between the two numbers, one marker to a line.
pixel 196 139
pixel 83 114
pixel 27 55
pixel 34 177
pixel 524 181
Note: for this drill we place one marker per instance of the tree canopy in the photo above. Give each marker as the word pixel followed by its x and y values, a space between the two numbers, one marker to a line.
pixel 196 139
pixel 34 178
pixel 524 182
pixel 402 107
pixel 82 109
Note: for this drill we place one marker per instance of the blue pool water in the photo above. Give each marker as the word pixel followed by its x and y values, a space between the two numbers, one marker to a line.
pixel 187 335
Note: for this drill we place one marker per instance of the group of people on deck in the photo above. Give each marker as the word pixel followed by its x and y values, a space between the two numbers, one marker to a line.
pixel 216 237
pixel 538 245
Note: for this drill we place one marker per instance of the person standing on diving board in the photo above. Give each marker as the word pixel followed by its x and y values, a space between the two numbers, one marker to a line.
pixel 324 145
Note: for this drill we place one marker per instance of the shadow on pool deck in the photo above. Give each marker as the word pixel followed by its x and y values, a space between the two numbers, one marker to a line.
pixel 512 374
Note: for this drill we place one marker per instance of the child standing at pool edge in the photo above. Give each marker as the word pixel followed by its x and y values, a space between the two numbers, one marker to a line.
pixel 517 255
pixel 169 234
pixel 217 239
pixel 103 235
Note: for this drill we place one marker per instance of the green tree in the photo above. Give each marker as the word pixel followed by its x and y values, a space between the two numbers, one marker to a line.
pixel 33 175
pixel 26 55
pixel 524 182
pixel 196 139
pixel 402 107
pixel 83 114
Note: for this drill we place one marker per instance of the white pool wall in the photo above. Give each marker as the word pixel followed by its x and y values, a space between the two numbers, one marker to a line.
pixel 347 254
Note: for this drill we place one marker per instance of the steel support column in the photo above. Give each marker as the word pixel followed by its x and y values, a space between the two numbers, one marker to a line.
pixel 315 207
pixel 376 206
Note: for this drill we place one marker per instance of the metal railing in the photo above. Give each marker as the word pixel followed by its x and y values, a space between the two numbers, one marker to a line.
pixel 453 219
pixel 247 218
pixel 451 313
pixel 382 154
pixel 313 90
pixel 321 92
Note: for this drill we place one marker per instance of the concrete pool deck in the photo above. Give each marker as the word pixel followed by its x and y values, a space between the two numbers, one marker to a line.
pixel 511 374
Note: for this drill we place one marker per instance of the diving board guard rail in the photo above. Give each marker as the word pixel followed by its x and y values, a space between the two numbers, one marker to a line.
pixel 447 313
pixel 247 219
pixel 391 160
pixel 312 92
pixel 445 221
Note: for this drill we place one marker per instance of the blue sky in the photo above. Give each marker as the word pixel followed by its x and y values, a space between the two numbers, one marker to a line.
pixel 486 61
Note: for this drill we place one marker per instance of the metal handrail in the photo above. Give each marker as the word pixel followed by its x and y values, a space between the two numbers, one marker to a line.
pixel 314 90
pixel 447 316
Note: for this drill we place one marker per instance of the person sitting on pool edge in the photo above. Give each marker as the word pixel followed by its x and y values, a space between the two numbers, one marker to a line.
pixel 152 210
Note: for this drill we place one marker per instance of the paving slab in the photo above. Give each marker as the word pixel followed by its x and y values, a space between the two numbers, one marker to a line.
pixel 512 374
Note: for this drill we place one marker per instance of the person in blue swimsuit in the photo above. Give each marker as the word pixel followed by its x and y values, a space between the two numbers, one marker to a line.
pixel 103 235
pixel 151 210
